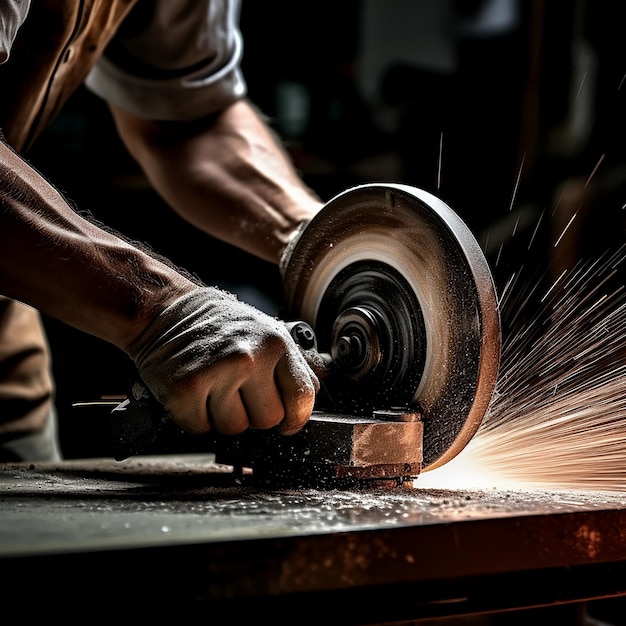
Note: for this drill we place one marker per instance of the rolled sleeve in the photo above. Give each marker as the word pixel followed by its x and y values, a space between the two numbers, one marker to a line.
pixel 12 15
pixel 173 60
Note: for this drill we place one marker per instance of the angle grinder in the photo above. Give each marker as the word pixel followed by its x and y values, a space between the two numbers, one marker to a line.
pixel 388 289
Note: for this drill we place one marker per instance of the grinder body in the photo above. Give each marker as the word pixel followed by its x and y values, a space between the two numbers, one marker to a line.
pixel 392 302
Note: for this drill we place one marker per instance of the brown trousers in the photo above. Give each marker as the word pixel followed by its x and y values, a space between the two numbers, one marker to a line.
pixel 54 50
pixel 26 385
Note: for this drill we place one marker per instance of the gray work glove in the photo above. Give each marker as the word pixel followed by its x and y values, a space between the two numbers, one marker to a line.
pixel 216 363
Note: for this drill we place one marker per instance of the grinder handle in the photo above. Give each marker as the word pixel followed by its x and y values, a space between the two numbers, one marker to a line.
pixel 305 337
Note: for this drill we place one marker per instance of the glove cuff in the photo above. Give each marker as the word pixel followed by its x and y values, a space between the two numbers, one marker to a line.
pixel 156 352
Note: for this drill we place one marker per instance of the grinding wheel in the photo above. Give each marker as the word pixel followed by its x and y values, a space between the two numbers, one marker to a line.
pixel 400 295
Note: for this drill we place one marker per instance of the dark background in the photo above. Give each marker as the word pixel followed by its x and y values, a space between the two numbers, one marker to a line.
pixel 505 106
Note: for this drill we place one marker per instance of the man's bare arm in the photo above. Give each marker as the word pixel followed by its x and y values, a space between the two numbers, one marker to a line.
pixel 212 361
pixel 226 174
pixel 58 261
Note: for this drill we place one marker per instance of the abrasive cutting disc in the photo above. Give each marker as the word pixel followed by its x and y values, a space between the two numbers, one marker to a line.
pixel 401 297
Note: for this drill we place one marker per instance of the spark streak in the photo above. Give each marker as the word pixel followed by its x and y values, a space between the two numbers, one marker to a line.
pixel 565 229
pixel 558 414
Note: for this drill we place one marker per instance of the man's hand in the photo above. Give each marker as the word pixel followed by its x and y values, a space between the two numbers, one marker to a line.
pixel 216 363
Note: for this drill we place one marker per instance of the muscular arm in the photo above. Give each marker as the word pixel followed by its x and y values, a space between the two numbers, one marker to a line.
pixel 68 267
pixel 211 360
pixel 227 175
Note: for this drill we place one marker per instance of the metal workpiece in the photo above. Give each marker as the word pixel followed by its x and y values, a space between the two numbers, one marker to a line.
pixel 336 451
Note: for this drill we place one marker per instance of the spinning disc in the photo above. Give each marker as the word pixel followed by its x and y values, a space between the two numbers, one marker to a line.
pixel 400 295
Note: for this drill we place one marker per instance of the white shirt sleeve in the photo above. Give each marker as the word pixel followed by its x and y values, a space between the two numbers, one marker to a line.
pixel 173 60
pixel 12 15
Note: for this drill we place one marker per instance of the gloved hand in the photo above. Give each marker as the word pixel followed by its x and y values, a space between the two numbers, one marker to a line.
pixel 217 363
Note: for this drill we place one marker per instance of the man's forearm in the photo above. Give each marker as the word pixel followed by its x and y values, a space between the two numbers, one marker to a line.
pixel 227 175
pixel 67 266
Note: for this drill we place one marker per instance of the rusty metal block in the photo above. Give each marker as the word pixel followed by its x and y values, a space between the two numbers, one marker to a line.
pixel 384 447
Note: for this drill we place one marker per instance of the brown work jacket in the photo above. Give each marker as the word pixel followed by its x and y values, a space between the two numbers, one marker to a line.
pixel 52 54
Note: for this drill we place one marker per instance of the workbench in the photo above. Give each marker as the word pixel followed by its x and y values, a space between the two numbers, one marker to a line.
pixel 179 534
